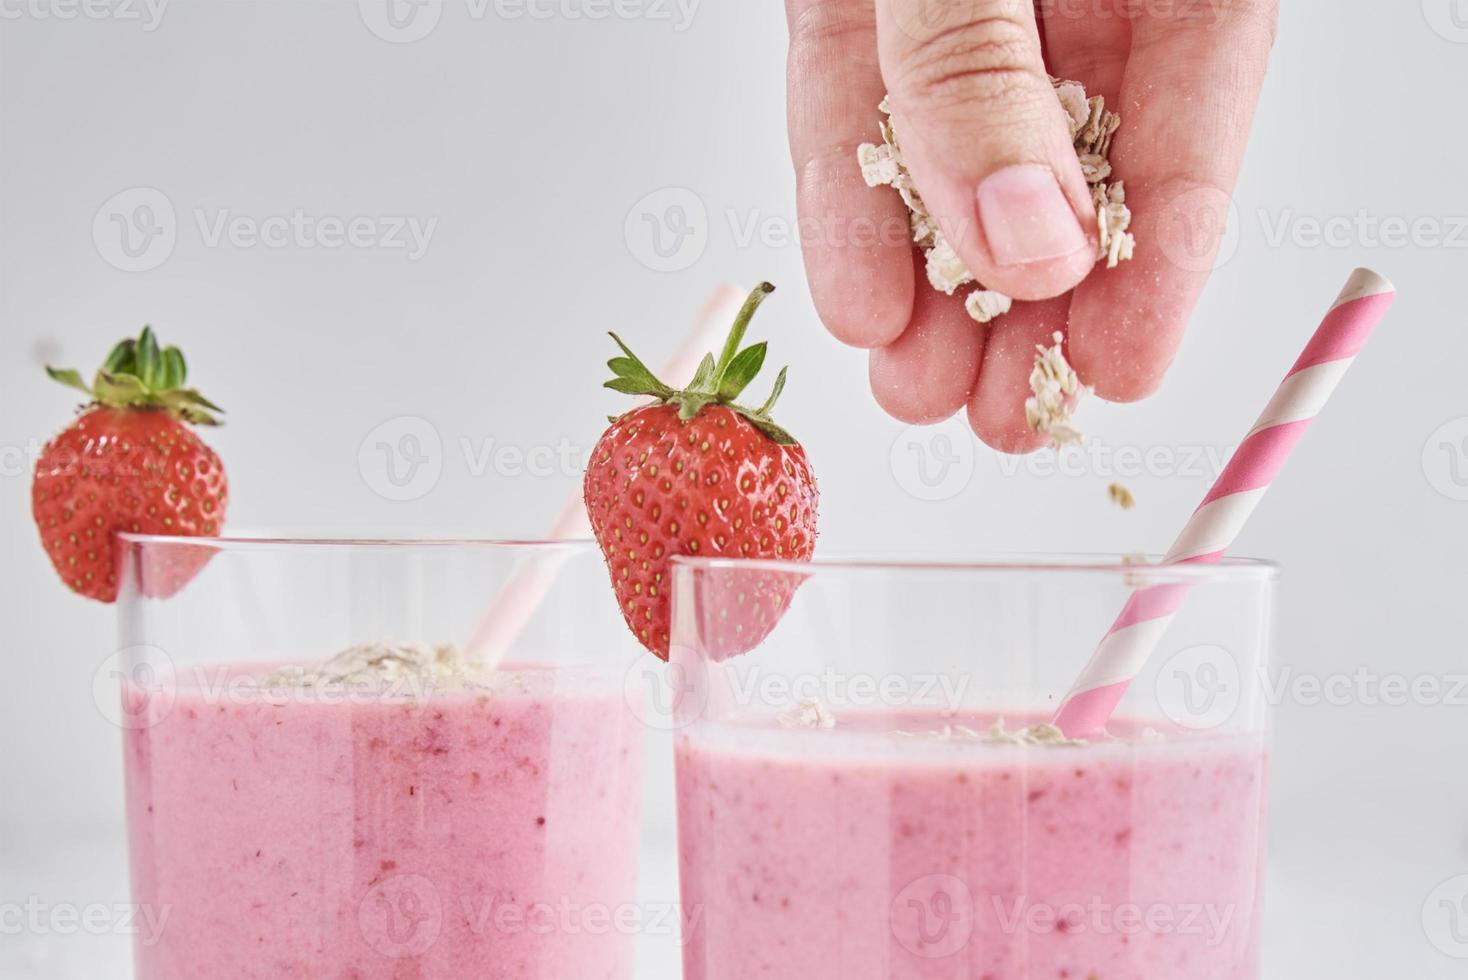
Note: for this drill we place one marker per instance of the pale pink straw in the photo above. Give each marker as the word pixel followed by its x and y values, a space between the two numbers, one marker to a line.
pixel 1210 532
pixel 515 604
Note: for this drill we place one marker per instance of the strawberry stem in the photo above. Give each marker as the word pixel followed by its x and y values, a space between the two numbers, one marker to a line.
pixel 716 382
pixel 741 325
pixel 138 374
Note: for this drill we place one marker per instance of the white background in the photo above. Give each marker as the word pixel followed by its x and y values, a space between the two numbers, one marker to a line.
pixel 529 144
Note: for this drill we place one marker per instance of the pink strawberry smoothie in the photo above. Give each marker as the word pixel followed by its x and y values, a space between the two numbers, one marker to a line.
pixel 486 831
pixel 862 854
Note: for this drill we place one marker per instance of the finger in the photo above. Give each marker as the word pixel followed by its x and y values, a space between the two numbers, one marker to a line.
pixel 986 141
pixel 856 250
pixel 925 376
pixel 1087 41
pixel 1187 103
pixel 996 410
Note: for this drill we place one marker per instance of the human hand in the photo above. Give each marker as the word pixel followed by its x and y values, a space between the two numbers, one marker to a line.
pixel 989 150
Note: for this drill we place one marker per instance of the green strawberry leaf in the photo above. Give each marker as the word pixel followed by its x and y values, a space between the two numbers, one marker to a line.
pixel 120 389
pixel 150 360
pixel 189 396
pixel 68 377
pixel 764 410
pixel 121 360
pixel 769 428
pixel 741 371
pixel 703 378
pixel 175 371
pixel 626 386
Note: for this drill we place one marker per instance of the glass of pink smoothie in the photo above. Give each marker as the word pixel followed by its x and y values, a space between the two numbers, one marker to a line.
pixel 869 789
pixel 337 769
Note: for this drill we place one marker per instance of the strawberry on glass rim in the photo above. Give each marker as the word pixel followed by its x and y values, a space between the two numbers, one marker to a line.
pixel 129 463
pixel 697 473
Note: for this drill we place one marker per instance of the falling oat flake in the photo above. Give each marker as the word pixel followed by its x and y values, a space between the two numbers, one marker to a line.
pixel 1092 127
pixel 1121 496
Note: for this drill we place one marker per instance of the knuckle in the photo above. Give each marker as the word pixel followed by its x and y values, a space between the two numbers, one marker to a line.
pixel 1251 17
pixel 986 61
pixel 817 25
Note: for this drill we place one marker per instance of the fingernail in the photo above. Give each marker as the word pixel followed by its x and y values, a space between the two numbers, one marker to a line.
pixel 1026 217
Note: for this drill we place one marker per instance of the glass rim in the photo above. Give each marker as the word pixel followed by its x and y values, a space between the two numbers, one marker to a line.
pixel 245 540
pixel 1152 567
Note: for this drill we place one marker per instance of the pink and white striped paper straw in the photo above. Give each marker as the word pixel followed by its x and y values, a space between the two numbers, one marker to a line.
pixel 1124 650
pixel 512 608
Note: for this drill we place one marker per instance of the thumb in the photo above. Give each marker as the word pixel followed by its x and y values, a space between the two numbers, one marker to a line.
pixel 987 142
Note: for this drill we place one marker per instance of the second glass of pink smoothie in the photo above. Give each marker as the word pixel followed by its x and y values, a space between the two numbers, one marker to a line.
pixel 379 759
pixel 869 789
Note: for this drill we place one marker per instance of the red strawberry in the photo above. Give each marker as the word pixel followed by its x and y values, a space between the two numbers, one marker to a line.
pixel 129 463
pixel 693 473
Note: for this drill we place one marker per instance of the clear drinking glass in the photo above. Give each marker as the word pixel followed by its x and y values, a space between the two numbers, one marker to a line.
pixel 866 794
pixel 424 817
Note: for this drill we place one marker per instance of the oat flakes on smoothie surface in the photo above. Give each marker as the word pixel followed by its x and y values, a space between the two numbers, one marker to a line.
pixel 1092 127
pixel 999 734
pixel 809 713
pixel 387 664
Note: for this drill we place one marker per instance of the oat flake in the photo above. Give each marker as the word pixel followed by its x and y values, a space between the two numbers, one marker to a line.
pixel 1053 383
